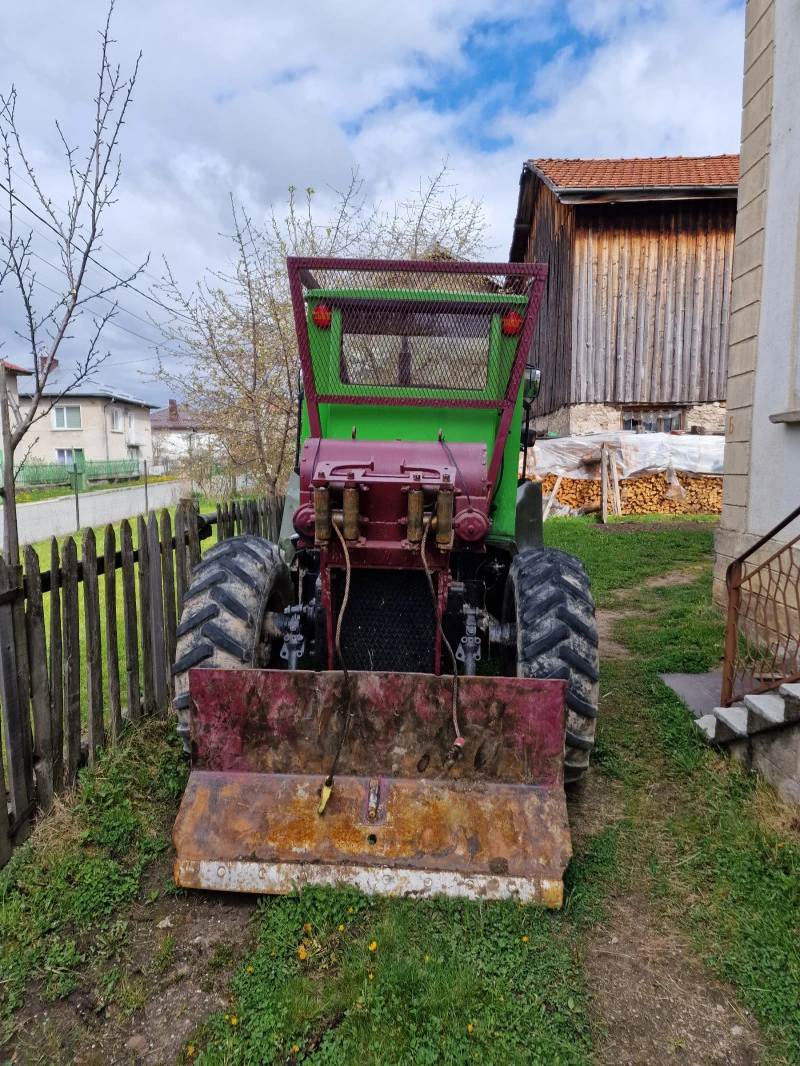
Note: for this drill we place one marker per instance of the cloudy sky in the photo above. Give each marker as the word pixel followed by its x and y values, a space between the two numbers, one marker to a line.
pixel 250 96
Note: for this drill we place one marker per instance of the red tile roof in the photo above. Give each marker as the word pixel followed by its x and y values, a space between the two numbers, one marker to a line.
pixel 14 369
pixel 671 172
pixel 177 418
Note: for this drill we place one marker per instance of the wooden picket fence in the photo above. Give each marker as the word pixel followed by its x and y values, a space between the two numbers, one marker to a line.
pixel 42 660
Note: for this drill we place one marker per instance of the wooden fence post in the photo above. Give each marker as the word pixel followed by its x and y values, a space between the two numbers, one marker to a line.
pixel 144 615
pixel 5 838
pixel 220 530
pixel 14 713
pixel 180 555
pixel 94 649
pixel 168 574
pixel 56 670
pixel 157 636
pixel 191 513
pixel 129 617
pixel 112 645
pixel 40 683
pixel 72 662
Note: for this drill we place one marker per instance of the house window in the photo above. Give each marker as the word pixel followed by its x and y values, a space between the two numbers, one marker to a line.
pixel 69 457
pixel 67 417
pixel 116 420
pixel 652 419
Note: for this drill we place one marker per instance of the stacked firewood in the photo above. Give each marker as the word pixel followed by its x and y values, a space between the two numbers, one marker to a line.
pixel 660 493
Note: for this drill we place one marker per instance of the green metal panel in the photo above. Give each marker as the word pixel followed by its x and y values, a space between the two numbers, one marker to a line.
pixel 464 424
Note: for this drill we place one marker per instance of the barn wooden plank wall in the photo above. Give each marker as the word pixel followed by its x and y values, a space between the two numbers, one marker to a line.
pixel 651 301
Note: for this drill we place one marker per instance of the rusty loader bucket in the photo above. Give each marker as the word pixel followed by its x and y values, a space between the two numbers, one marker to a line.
pixel 399 820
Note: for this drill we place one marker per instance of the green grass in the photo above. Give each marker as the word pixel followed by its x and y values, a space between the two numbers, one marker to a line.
pixel 64 893
pixel 340 978
pixel 452 981
pixel 696 841
pixel 624 560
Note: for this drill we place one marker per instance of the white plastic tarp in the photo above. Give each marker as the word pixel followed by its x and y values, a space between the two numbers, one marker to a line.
pixel 635 454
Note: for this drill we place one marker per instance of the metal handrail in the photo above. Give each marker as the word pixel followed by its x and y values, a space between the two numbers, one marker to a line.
pixel 762 636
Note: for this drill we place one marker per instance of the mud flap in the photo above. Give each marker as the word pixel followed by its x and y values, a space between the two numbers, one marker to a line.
pixel 398 821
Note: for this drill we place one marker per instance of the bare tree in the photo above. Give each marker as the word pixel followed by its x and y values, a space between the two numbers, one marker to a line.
pixel 236 361
pixel 94 179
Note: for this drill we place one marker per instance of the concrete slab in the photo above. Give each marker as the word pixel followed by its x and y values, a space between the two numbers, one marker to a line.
pixel 700 692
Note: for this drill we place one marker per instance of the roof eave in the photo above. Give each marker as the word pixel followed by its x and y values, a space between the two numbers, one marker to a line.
pixel 629 193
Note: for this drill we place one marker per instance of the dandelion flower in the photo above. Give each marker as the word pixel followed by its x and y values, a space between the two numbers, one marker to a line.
pixel 234 1021
pixel 780 843
pixel 470 1027
pixel 372 976
pixel 227 1017
pixel 295 1048
pixel 272 954
pixel 349 910
pixel 302 953
pixel 307 927
pixel 190 1050
pixel 373 946
pixel 524 940
pixel 427 958
pixel 249 969
pixel 341 928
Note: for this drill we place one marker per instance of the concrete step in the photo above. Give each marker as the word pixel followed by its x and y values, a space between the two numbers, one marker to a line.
pixel 707 725
pixel 764 711
pixel 732 723
pixel 791 698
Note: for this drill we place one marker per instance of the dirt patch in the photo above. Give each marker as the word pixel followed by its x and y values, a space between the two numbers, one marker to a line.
pixel 684 576
pixel 657 527
pixel 606 620
pixel 656 1002
pixel 179 964
pixel 594 804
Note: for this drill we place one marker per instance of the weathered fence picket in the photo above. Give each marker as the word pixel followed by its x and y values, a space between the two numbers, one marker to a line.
pixel 112 645
pixel 94 651
pixel 40 683
pixel 157 637
pixel 20 761
pixel 56 670
pixel 40 670
pixel 72 660
pixel 168 574
pixel 148 701
pixel 132 690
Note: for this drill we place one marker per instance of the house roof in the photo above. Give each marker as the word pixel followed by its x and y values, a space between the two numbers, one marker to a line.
pixel 610 181
pixel 14 369
pixel 669 172
pixel 177 418
pixel 90 389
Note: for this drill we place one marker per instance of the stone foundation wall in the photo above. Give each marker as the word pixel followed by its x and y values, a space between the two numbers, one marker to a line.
pixel 583 418
pixel 775 755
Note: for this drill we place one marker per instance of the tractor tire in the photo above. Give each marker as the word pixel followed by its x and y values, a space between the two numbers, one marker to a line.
pixel 548 596
pixel 238 580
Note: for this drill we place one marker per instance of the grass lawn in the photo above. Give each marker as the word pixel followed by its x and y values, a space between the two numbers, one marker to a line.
pixel 333 977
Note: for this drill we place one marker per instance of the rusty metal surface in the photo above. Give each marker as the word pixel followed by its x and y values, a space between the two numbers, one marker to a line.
pixel 239 830
pixel 280 722
pixel 280 878
pixel 762 640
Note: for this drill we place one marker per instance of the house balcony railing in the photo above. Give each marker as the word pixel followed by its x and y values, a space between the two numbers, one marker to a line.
pixel 762 639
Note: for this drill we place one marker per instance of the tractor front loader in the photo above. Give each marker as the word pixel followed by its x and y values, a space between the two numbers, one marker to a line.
pixel 396 696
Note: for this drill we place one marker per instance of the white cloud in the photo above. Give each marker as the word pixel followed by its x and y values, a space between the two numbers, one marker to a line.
pixel 252 96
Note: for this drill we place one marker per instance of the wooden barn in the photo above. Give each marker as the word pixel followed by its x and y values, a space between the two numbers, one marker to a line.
pixel 633 329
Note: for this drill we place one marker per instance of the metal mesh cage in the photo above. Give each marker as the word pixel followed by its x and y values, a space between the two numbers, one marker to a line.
pixel 389 623
pixel 440 333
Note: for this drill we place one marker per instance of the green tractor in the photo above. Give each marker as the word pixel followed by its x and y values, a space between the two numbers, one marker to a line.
pixel 396 695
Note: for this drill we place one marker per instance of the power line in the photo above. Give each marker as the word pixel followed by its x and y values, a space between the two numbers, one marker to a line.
pixel 95 295
pixel 110 248
pixel 102 266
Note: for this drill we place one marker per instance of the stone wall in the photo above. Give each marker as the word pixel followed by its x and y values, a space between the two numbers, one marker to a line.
pixel 582 418
pixel 775 755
